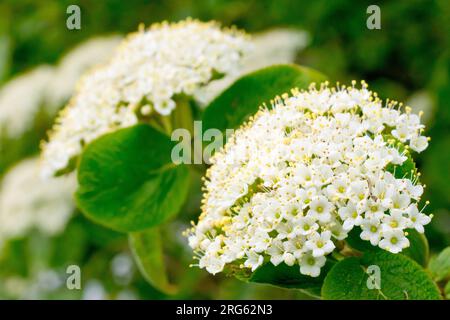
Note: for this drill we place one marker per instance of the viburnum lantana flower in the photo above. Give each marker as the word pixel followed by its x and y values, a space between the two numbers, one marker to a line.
pixel 145 75
pixel 299 176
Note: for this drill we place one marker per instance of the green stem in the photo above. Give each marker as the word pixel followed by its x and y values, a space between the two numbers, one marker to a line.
pixel 182 115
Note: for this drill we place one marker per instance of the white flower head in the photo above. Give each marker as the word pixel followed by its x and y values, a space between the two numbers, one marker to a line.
pixel 312 168
pixel 148 71
pixel 311 265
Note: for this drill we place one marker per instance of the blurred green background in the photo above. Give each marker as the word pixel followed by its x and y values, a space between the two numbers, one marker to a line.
pixel 407 60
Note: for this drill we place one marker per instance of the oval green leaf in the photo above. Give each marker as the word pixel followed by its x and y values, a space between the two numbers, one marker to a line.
pixel 128 182
pixel 147 249
pixel 243 98
pixel 400 279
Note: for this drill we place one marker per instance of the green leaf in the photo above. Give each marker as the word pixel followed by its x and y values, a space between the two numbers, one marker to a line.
pixel 400 278
pixel 440 266
pixel 128 182
pixel 243 98
pixel 147 248
pixel 418 249
pixel 290 277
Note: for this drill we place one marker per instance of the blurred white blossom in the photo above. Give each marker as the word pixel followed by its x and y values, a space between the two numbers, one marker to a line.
pixel 301 175
pixel 27 201
pixel 37 285
pixel 94 290
pixel 271 47
pixel 22 98
pixel 81 58
pixel 122 268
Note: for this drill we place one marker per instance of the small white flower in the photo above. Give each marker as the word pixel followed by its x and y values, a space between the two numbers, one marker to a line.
pixel 276 252
pixel 419 143
pixel 338 189
pixel 417 219
pixel 27 201
pixel 401 133
pixel 350 216
pixel 261 241
pixel 305 226
pixel 412 190
pixel 304 175
pixel 395 220
pixel 320 243
pixel 212 263
pixel 360 190
pixel 310 265
pixel 400 202
pixel 295 246
pixel 320 209
pixel 253 261
pixel 285 230
pixel 375 209
pixel 394 241
pixel 289 259
pixel 384 192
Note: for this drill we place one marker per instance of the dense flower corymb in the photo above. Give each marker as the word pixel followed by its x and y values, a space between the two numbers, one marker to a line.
pixel 148 70
pixel 298 177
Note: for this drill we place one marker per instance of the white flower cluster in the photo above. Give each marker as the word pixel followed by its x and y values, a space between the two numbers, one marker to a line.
pixel 298 177
pixel 27 201
pixel 147 71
